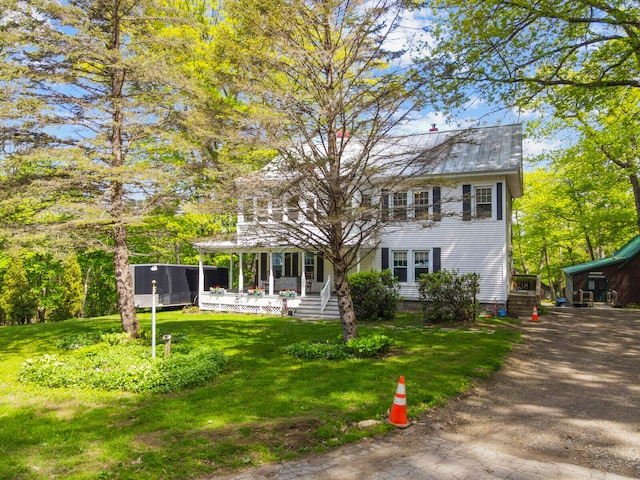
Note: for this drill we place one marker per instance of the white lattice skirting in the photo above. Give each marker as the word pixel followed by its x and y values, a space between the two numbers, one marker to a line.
pixel 246 304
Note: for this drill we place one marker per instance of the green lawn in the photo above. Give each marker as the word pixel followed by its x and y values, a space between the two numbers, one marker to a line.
pixel 266 406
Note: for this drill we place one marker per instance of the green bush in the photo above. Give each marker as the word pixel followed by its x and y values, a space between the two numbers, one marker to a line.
pixel 369 346
pixel 447 296
pixel 375 295
pixel 79 340
pixel 318 349
pixel 362 347
pixel 124 366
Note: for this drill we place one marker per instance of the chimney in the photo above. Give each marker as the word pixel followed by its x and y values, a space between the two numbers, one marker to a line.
pixel 342 134
pixel 433 128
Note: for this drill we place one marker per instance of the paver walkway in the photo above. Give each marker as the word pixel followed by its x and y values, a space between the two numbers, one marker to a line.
pixel 566 406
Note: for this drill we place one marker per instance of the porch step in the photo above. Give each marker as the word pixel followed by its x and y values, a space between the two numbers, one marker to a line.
pixel 521 303
pixel 309 309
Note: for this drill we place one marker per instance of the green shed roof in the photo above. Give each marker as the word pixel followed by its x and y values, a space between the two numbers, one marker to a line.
pixel 626 253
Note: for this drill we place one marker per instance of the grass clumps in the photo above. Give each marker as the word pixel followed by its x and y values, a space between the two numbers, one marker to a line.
pixel 361 347
pixel 111 364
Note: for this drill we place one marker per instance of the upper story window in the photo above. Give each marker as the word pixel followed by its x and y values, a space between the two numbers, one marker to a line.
pixel 262 210
pixel 400 206
pixel 483 202
pixel 293 209
pixel 247 208
pixel 421 204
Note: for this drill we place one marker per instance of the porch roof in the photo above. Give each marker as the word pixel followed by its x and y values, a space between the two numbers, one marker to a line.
pixel 255 246
pixel 234 245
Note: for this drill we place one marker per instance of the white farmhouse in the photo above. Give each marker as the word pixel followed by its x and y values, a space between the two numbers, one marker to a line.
pixel 452 212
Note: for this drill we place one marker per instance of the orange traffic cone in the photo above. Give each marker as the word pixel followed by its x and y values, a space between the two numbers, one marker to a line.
pixel 398 416
pixel 534 317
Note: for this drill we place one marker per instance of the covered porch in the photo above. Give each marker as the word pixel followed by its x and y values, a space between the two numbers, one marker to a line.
pixel 276 280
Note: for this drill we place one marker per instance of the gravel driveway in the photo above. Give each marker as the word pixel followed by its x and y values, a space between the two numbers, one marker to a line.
pixel 566 406
pixel 569 393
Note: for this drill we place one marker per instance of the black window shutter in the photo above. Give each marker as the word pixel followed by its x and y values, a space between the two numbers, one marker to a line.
pixel 437 212
pixel 436 260
pixel 296 264
pixel 499 201
pixel 286 270
pixel 385 258
pixel 466 202
pixel 320 268
pixel 263 267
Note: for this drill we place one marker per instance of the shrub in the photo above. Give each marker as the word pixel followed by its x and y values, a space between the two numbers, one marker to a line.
pixel 78 340
pixel 369 346
pixel 125 366
pixel 362 347
pixel 375 295
pixel 447 296
pixel 318 349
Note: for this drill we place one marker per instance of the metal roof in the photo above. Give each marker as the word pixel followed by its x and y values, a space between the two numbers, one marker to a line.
pixel 626 253
pixel 494 150
pixel 484 150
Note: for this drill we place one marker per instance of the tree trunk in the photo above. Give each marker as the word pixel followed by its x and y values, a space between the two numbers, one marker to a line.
pixel 587 239
pixel 635 186
pixel 551 284
pixel 124 283
pixel 345 304
pixel 86 292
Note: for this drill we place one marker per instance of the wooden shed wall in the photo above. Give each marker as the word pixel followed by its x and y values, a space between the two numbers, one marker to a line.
pixel 623 278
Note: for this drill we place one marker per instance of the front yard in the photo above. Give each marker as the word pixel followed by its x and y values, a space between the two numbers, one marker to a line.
pixel 266 406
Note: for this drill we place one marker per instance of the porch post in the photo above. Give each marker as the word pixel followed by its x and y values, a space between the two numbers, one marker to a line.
pixel 230 286
pixel 358 261
pixel 271 273
pixel 240 274
pixel 303 277
pixel 200 278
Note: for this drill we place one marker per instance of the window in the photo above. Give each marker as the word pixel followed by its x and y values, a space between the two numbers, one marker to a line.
pixel 293 209
pixel 247 209
pixel 400 265
pixel 309 265
pixel 384 204
pixel 420 263
pixel 421 204
pixel 277 264
pixel 365 204
pixel 400 206
pixel 484 200
pixel 262 210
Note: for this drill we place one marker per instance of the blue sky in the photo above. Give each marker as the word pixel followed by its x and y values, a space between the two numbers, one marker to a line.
pixel 478 112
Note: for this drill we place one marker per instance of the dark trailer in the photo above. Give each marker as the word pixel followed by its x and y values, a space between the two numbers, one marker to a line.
pixel 177 285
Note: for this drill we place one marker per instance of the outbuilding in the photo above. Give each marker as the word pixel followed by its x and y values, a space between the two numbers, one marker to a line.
pixel 614 280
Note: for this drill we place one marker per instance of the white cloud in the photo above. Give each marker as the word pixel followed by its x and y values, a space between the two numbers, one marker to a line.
pixel 532 148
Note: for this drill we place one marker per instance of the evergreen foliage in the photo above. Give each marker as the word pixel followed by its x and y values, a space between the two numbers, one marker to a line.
pixel 16 299
pixel 375 295
pixel 448 296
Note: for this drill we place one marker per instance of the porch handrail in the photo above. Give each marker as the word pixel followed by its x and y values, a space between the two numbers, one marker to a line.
pixel 325 294
pixel 525 282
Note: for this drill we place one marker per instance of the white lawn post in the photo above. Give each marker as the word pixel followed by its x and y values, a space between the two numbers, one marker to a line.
pixel 153 319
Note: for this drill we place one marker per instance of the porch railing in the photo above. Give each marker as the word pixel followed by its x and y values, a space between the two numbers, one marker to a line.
pixel 325 294
pixel 525 282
